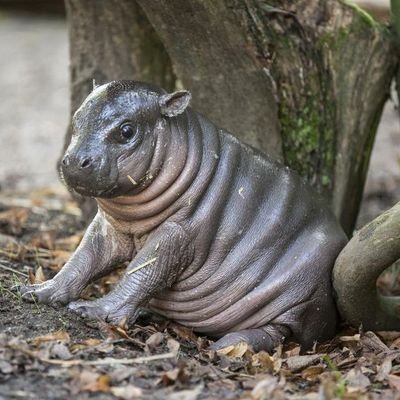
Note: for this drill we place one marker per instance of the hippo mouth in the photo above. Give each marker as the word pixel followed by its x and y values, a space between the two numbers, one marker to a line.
pixel 96 192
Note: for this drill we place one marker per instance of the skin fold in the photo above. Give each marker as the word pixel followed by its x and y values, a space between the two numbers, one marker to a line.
pixel 218 237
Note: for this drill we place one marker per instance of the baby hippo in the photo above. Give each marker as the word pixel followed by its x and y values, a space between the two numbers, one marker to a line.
pixel 218 237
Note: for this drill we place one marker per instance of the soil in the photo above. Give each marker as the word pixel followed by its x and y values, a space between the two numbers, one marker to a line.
pixel 48 353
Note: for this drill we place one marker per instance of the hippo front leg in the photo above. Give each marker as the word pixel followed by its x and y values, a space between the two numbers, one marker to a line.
pixel 101 249
pixel 166 253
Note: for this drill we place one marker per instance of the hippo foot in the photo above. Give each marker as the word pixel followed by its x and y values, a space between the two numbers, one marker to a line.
pixel 48 292
pixel 258 339
pixel 104 309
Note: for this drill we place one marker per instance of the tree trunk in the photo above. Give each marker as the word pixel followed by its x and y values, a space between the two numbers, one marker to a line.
pixel 319 69
pixel 110 40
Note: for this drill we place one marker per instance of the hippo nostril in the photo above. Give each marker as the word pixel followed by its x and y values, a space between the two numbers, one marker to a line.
pixel 85 163
pixel 65 161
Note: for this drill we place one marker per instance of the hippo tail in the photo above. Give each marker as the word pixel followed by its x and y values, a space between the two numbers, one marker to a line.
pixel 370 251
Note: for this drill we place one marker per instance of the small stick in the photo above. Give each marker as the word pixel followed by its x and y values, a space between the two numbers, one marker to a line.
pixel 13 270
pixel 142 266
pixel 132 180
pixel 105 361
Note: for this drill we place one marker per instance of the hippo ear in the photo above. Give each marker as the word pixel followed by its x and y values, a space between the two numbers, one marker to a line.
pixel 173 104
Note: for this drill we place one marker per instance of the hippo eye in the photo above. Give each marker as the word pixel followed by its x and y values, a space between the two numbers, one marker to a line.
pixel 126 131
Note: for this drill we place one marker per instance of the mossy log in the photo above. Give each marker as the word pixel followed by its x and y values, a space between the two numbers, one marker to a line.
pixel 371 250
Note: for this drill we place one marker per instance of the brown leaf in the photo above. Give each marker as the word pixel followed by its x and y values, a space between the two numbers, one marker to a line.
pixel 313 372
pixel 94 382
pixel 173 346
pixel 268 389
pixel 394 382
pixel 233 351
pixel 61 336
pixel 297 363
pixel 372 341
pixel 87 343
pixel 263 361
pixel 183 332
pixel 154 340
pixel 174 375
pixel 384 369
pixel 191 394
pixel 38 277
pixel 127 392
pixel 356 380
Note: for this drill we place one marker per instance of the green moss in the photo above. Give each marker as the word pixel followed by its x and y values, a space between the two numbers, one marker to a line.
pixel 308 143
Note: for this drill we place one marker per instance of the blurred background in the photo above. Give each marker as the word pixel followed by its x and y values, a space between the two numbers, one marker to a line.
pixel 34 111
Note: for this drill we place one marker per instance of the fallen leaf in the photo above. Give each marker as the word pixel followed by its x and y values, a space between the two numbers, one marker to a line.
pixel 38 277
pixel 356 380
pixel 173 346
pixel 183 332
pixel 127 392
pixel 154 340
pixel 394 382
pixel 262 361
pixel 372 341
pixel 312 373
pixel 297 363
pixel 268 389
pixel 234 351
pixel 61 336
pixel 84 344
pixel 191 394
pixel 94 382
pixel 384 369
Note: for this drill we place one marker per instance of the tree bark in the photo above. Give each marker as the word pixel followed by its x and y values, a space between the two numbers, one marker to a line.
pixel 111 40
pixel 320 70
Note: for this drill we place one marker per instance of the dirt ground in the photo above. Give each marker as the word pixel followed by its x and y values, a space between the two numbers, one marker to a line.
pixel 51 354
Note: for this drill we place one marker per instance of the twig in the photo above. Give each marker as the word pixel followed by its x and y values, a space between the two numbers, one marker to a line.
pixel 142 265
pixel 13 270
pixel 104 361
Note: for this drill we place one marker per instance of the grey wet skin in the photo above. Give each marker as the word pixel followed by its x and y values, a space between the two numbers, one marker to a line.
pixel 218 237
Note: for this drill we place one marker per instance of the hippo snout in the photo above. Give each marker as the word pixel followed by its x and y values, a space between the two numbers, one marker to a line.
pixel 80 171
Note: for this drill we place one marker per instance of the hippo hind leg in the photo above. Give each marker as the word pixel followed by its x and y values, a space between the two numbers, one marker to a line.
pixel 264 338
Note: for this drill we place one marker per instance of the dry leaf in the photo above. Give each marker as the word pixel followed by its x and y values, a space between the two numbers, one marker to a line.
pixel 94 382
pixel 91 342
pixel 384 369
pixel 370 340
pixel 312 373
pixel 61 336
pixel 191 394
pixel 233 351
pixel 173 346
pixel 38 277
pixel 297 363
pixel 127 392
pixel 394 382
pixel 356 380
pixel 268 389
pixel 184 333
pixel 263 361
pixel 154 340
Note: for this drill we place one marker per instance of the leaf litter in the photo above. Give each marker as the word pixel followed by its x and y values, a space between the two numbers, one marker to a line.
pixel 50 353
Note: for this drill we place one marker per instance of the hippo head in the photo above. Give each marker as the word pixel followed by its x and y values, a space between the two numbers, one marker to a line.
pixel 114 137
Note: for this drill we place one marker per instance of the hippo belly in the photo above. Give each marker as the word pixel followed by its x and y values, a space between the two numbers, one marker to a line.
pixel 268 253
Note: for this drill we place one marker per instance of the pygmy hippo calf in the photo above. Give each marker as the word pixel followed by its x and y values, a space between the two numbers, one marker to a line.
pixel 218 237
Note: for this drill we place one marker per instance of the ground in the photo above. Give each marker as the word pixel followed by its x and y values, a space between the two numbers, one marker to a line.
pixel 48 353
pixel 51 354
